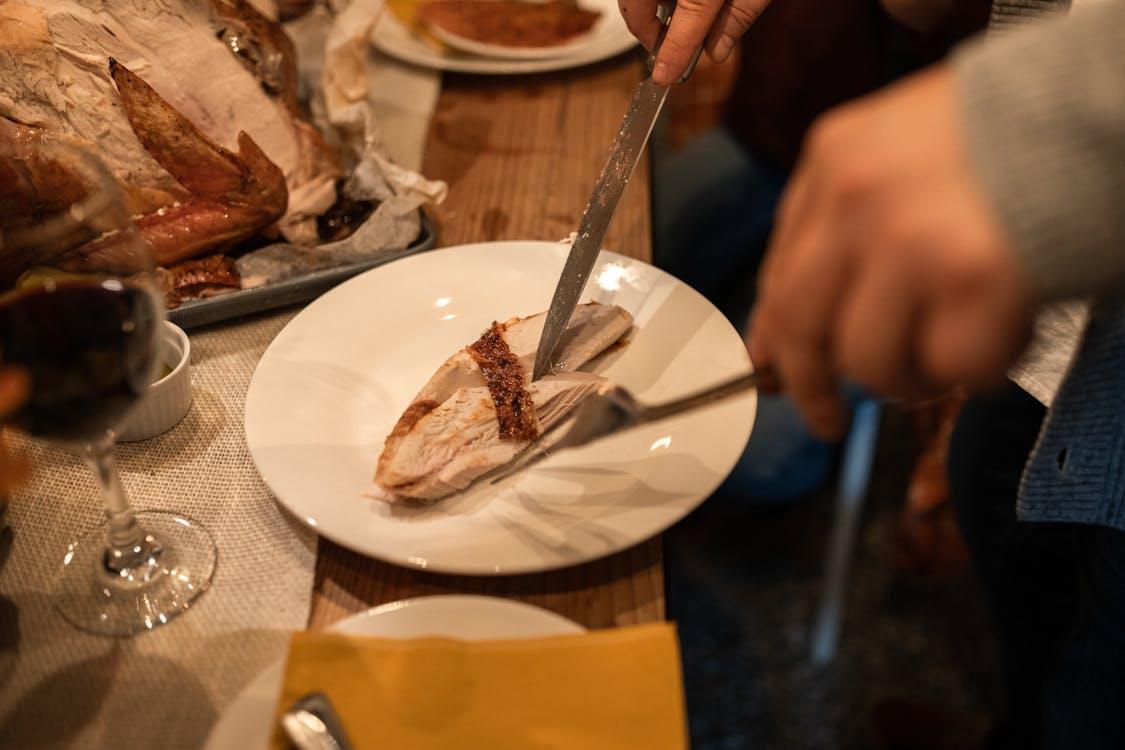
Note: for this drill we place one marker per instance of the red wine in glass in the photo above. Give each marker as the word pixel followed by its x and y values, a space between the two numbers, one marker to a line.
pixel 89 349
pixel 84 320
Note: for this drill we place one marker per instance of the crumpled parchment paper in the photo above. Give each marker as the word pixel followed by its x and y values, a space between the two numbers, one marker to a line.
pixel 334 59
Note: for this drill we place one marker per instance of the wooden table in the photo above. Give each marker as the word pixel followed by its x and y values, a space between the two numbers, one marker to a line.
pixel 521 155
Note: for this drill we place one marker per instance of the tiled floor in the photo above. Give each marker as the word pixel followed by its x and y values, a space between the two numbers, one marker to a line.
pixel 743 585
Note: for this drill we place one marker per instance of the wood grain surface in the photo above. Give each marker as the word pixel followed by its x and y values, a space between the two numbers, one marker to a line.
pixel 521 155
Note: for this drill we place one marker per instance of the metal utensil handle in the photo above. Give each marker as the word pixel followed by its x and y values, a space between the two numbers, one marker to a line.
pixel 312 722
pixel 763 380
pixel 664 12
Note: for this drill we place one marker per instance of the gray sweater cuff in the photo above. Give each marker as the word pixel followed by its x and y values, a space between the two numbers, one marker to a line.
pixel 1044 114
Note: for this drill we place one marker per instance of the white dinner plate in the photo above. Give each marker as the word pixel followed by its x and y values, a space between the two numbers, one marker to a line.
pixel 336 379
pixel 569 48
pixel 247 723
pixel 608 38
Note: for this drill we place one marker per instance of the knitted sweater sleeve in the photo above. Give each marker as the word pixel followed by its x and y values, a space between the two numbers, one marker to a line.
pixel 1044 114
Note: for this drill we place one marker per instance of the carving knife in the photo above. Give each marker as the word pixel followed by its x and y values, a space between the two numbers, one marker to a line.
pixel 623 157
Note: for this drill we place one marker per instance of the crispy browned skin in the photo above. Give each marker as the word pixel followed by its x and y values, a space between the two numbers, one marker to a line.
pixel 261 45
pixel 405 424
pixel 197 163
pixel 198 278
pixel 317 156
pixel 31 184
pixel 511 23
pixel 287 10
pixel 233 196
pixel 264 48
pixel 504 374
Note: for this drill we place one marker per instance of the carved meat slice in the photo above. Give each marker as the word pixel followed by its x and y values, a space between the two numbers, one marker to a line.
pixel 459 440
pixel 593 328
pixel 473 415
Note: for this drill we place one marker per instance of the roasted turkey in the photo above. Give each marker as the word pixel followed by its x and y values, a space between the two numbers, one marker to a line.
pixel 192 104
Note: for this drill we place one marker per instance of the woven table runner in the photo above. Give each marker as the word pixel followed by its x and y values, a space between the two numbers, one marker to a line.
pixel 165 688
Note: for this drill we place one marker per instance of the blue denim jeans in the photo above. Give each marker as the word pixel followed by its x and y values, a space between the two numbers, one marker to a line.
pixel 713 207
pixel 1056 591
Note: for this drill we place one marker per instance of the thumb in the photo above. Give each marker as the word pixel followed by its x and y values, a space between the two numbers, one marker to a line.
pixel 690 24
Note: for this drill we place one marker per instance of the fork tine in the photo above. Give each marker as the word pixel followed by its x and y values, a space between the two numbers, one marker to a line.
pixel 614 400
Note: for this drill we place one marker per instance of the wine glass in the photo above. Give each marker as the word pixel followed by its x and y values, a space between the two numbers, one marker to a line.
pixel 82 315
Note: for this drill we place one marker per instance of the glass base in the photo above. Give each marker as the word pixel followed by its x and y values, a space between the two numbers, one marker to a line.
pixel 171 567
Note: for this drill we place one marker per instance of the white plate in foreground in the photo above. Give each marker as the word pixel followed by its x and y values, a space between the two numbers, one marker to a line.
pixel 248 721
pixel 336 379
pixel 608 38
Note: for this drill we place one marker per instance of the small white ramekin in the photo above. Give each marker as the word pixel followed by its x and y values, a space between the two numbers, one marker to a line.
pixel 167 400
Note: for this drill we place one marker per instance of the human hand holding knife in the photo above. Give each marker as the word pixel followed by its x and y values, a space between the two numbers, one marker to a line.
pixel 623 157
pixel 714 25
pixel 615 408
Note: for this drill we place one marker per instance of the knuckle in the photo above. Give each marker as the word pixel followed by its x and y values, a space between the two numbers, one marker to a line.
pixel 679 47
pixel 898 236
pixel 767 277
pixel 821 411
pixel 742 14
pixel 779 328
pixel 867 349
pixel 822 136
pixel 867 371
pixel 779 317
pixel 834 137
pixel 818 406
pixel 851 181
pixel 766 317
pixel 850 358
pixel 698 7
pixel 943 369
pixel 967 272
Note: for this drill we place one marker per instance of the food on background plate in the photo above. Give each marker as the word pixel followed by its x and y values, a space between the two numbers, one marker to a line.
pixel 198 279
pixel 510 23
pixel 481 409
pixel 193 279
pixel 205 133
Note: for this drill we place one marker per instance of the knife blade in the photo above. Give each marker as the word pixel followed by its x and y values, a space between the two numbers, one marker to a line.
pixel 648 99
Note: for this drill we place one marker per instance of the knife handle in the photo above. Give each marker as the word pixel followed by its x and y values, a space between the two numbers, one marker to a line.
pixel 664 11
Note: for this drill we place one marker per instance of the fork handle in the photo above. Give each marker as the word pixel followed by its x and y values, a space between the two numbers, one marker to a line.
pixel 763 380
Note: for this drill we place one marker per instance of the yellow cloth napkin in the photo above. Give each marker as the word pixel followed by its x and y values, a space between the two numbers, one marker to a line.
pixel 617 689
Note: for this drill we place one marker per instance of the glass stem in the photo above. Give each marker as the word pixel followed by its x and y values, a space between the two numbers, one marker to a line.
pixel 125 539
